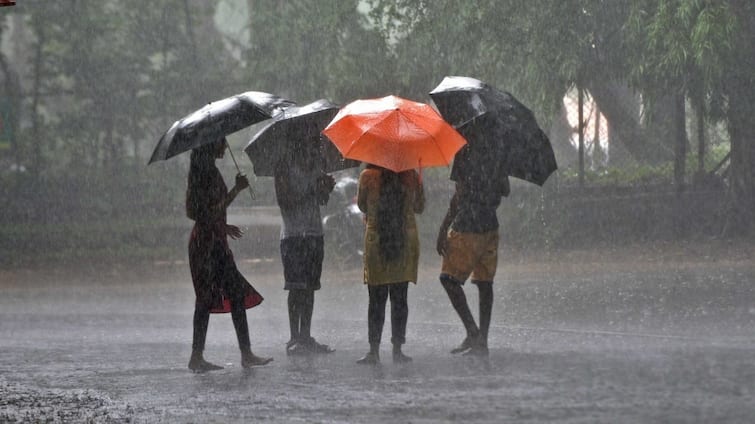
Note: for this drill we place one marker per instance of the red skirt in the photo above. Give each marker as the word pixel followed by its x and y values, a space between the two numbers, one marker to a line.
pixel 213 270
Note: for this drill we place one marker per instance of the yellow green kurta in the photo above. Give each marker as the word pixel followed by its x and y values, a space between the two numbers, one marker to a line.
pixel 377 270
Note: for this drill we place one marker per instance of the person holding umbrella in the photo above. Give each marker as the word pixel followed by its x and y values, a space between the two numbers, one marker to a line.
pixel 504 140
pixel 300 188
pixel 394 136
pixel 389 200
pixel 218 285
pixel 470 248
pixel 291 150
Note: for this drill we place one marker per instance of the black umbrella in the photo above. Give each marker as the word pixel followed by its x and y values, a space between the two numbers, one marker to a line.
pixel 296 131
pixel 216 120
pixel 494 121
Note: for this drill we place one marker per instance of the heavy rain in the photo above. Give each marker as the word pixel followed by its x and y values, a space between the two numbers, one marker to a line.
pixel 617 137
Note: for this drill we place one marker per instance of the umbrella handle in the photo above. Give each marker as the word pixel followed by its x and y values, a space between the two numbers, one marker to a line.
pixel 251 191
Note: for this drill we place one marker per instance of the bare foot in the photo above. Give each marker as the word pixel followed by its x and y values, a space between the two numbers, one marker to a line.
pixel 251 360
pixel 200 365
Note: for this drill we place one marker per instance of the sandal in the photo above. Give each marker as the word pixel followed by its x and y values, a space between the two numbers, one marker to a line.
pixel 371 358
pixel 315 347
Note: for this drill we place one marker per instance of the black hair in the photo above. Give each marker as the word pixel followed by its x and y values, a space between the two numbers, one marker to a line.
pixel 390 215
pixel 201 165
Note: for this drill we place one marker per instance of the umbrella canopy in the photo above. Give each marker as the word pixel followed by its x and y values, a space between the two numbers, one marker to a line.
pixel 394 133
pixel 296 130
pixel 495 121
pixel 216 120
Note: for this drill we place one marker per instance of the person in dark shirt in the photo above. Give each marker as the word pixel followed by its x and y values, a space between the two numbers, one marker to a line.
pixel 470 248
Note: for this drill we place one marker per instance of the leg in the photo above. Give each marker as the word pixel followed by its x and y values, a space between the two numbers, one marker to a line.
pixel 307 306
pixel 376 313
pixel 290 258
pixel 459 301
pixel 238 316
pixel 375 321
pixel 486 308
pixel 315 255
pixel 308 257
pixel 307 343
pixel 399 316
pixel 294 315
pixel 482 277
pixel 458 263
pixel 201 321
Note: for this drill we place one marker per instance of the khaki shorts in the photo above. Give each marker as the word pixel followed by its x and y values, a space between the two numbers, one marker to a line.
pixel 471 253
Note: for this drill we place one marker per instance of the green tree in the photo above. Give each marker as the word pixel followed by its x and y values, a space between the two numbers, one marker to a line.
pixel 309 49
pixel 703 50
pixel 696 49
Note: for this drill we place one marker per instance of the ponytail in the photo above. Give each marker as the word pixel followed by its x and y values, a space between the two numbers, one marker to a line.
pixel 390 215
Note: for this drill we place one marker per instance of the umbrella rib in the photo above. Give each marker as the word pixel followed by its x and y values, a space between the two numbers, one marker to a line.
pixel 436 145
pixel 363 132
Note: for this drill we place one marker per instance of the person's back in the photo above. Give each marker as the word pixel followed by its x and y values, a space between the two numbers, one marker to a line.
pixel 470 248
pixel 369 201
pixel 480 187
pixel 381 266
pixel 296 193
pixel 389 201
pixel 300 188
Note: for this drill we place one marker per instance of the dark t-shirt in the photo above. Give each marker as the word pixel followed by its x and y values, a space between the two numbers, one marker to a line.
pixel 482 184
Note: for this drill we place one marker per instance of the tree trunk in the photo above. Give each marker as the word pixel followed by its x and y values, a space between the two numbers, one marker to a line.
pixel 581 135
pixel 701 139
pixel 35 117
pixel 680 141
pixel 12 91
pixel 741 194
pixel 617 105
pixel 739 87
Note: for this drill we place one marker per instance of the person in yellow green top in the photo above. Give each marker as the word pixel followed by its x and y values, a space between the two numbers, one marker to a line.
pixel 389 201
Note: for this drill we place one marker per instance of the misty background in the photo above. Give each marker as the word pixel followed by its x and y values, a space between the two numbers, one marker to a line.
pixel 624 288
pixel 88 87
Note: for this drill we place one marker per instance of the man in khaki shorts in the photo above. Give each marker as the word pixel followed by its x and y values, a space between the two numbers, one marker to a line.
pixel 470 248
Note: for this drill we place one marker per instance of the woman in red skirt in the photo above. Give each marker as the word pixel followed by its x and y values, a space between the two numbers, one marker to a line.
pixel 218 284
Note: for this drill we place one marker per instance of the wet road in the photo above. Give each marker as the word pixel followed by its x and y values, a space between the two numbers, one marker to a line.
pixel 660 342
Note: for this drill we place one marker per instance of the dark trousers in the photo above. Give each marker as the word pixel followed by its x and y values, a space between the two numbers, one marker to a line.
pixel 376 312
pixel 238 316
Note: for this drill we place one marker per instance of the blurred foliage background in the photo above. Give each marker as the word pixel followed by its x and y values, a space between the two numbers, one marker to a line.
pixel 87 87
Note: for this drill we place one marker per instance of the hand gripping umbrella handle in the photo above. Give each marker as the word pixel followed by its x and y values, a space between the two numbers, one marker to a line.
pixel 251 191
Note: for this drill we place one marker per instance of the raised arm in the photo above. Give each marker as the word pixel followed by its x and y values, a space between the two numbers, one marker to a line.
pixel 241 183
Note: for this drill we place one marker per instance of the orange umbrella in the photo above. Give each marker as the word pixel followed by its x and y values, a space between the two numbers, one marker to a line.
pixel 394 133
